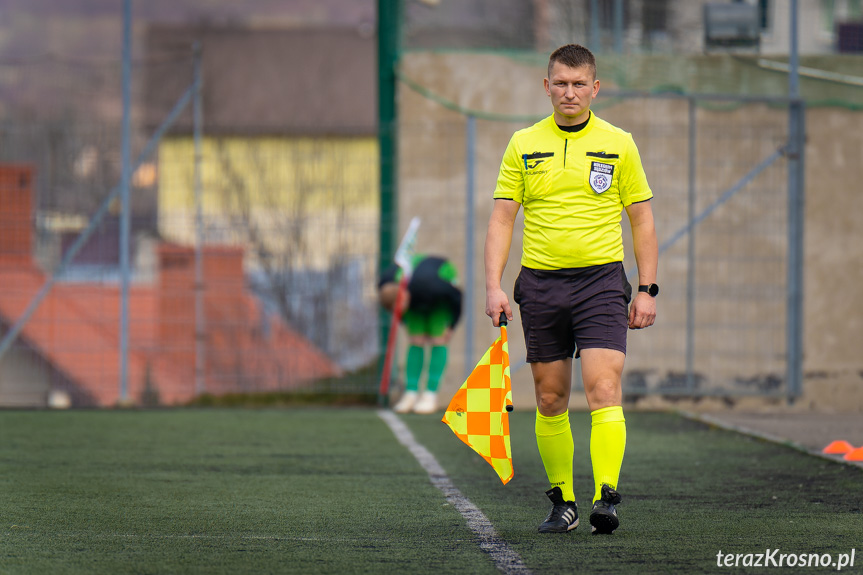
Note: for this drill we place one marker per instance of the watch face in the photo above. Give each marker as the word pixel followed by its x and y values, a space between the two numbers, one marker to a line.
pixel 653 290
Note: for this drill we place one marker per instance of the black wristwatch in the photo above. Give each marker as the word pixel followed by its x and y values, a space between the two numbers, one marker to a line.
pixel 651 289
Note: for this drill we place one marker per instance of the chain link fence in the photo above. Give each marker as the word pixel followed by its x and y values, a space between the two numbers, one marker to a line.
pixel 288 234
pixel 262 278
pixel 721 186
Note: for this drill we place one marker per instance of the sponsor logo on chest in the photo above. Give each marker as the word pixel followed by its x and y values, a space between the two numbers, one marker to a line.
pixel 531 161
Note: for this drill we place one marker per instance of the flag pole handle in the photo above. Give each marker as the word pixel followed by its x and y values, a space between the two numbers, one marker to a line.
pixel 383 391
pixel 502 323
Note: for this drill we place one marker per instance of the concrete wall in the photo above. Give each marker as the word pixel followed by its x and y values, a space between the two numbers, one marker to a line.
pixel 433 185
pixel 833 320
pixel 24 379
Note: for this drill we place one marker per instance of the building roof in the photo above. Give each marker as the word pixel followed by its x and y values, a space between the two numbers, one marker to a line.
pixel 76 331
pixel 266 81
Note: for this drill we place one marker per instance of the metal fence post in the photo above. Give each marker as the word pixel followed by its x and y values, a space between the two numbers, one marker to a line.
pixel 796 201
pixel 690 264
pixel 200 320
pixel 618 26
pixel 594 27
pixel 389 36
pixel 125 204
pixel 795 153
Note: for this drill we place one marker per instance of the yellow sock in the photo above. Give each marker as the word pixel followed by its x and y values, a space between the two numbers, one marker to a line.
pixel 554 439
pixel 607 443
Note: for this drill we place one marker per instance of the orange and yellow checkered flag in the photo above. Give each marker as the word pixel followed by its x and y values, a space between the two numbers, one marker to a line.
pixel 479 412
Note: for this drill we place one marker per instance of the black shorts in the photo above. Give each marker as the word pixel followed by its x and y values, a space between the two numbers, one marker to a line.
pixel 572 309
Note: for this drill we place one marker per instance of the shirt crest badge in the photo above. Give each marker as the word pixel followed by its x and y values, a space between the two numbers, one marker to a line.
pixel 600 176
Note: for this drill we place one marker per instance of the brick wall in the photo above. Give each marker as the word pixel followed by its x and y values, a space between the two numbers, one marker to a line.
pixel 16 215
pixel 226 316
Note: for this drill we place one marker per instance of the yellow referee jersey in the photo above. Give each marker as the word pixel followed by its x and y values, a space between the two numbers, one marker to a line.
pixel 573 188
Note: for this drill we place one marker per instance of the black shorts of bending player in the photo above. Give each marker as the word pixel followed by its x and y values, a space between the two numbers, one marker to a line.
pixel 565 311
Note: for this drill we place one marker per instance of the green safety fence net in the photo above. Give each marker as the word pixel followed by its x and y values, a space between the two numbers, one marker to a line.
pixel 825 81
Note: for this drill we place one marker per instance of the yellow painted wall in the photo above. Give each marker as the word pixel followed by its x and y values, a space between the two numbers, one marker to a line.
pixel 308 199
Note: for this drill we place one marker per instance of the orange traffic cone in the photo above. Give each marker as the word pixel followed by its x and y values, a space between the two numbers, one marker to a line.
pixel 854 455
pixel 838 447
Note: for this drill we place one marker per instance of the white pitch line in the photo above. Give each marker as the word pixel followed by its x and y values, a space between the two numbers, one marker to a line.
pixel 505 558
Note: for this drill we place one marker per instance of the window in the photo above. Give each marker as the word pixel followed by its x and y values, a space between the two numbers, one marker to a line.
pixel 606 11
pixel 654 16
pixel 764 14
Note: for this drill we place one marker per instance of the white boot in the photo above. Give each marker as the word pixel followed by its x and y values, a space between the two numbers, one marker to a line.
pixel 406 403
pixel 427 403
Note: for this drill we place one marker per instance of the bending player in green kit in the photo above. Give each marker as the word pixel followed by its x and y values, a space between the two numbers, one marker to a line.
pixel 432 307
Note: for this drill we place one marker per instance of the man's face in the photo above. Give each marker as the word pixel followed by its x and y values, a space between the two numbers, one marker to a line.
pixel 571 91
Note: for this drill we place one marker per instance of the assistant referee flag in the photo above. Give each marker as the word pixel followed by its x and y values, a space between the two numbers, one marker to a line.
pixel 479 412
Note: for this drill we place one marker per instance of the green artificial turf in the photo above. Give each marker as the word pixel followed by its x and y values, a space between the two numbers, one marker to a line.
pixel 294 491
pixel 689 491
pixel 328 490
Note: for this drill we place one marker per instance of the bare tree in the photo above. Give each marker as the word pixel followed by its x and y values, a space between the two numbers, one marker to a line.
pixel 301 230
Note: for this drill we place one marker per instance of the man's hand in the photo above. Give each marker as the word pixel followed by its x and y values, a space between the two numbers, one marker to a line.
pixel 388 294
pixel 642 312
pixel 496 302
pixel 497 242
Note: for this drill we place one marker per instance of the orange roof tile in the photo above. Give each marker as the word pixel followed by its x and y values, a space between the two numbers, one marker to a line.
pixel 76 329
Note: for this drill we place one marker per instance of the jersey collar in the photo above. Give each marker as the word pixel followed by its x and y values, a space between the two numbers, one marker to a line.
pixel 572 135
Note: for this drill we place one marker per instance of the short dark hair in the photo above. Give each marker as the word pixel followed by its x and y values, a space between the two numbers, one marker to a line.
pixel 574 56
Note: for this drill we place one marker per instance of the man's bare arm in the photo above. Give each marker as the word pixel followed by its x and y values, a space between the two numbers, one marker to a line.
pixel 642 313
pixel 497 243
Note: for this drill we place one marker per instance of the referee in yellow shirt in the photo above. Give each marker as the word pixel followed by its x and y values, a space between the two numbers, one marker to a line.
pixel 574 174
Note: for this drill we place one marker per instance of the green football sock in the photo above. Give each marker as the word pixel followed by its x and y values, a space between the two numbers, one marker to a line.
pixel 607 444
pixel 437 365
pixel 414 367
pixel 556 448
